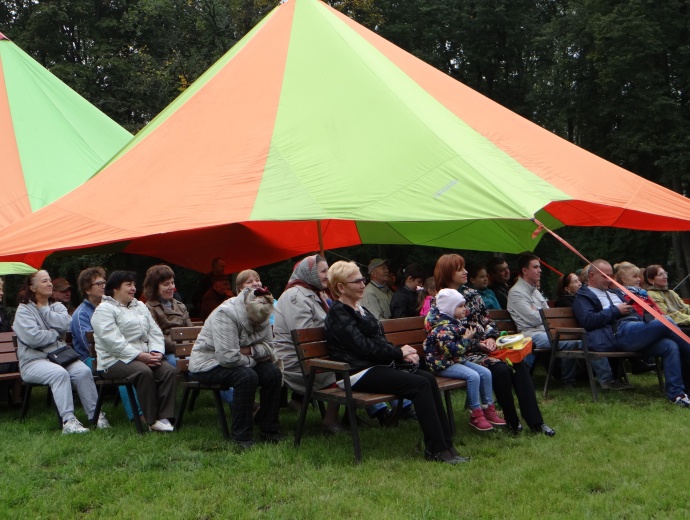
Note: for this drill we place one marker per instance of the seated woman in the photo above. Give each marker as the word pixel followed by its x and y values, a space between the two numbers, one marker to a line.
pixel 568 284
pixel 479 280
pixel 167 312
pixel 129 345
pixel 450 273
pixel 668 300
pixel 235 349
pixel 41 325
pixel 302 305
pixel 404 303
pixel 355 336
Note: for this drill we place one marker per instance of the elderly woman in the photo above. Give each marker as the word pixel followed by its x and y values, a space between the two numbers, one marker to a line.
pixel 129 345
pixel 41 325
pixel 235 349
pixel 355 336
pixel 159 289
pixel 450 273
pixel 302 305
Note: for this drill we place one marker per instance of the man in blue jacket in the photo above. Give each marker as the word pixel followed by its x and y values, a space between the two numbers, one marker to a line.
pixel 612 325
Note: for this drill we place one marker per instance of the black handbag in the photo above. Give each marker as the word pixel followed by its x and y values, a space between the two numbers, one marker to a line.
pixel 63 356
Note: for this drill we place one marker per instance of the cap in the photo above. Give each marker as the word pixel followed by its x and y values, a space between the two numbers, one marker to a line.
pixel 377 262
pixel 60 284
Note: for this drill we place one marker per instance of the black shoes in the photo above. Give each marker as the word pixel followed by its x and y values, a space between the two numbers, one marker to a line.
pixel 545 429
pixel 515 428
pixel 616 385
pixel 445 457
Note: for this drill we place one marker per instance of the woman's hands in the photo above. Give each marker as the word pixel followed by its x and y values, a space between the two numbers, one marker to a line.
pixel 410 354
pixel 152 359
pixel 488 345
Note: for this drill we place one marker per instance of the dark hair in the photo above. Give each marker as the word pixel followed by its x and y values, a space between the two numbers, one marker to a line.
pixel 493 263
pixel 446 266
pixel 650 272
pixel 87 276
pixel 116 279
pixel 156 275
pixel 474 269
pixel 563 282
pixel 26 295
pixel 524 260
pixel 411 270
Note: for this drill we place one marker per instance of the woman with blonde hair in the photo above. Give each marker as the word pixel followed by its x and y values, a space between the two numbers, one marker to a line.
pixel 355 336
pixel 668 300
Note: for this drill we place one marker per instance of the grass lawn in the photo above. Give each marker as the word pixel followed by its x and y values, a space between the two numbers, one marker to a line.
pixel 623 457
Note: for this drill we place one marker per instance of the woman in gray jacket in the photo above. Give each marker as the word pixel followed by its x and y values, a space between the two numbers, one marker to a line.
pixel 41 324
pixel 130 345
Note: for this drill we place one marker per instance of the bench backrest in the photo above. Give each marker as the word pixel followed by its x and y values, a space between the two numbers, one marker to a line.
pixel 559 317
pixel 406 331
pixel 503 321
pixel 309 344
pixel 184 338
pixel 8 352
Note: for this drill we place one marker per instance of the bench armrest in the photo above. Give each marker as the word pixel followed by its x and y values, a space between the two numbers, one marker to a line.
pixel 327 364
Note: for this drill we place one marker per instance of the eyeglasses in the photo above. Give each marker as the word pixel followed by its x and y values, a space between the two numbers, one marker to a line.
pixel 359 281
pixel 662 273
pixel 100 284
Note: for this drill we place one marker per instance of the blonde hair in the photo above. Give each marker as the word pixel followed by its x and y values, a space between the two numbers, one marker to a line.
pixel 625 268
pixel 339 272
pixel 242 278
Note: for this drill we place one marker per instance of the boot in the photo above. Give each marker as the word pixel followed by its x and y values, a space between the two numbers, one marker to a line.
pixel 492 416
pixel 478 420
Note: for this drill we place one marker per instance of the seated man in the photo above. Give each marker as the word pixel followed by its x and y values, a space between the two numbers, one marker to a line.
pixel 217 294
pixel 524 302
pixel 612 327
pixel 499 276
pixel 62 292
pixel 377 295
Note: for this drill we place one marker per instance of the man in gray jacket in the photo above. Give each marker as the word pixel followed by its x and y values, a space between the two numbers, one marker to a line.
pixel 235 349
pixel 377 294
pixel 524 302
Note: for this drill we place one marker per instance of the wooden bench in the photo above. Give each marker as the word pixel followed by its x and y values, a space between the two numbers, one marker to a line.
pixel 312 352
pixel 561 325
pixel 8 355
pixel 101 383
pixel 504 323
pixel 184 338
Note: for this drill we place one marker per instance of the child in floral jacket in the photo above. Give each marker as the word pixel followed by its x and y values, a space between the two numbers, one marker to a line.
pixel 452 350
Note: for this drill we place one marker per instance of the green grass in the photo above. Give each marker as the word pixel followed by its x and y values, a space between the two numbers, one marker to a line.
pixel 623 457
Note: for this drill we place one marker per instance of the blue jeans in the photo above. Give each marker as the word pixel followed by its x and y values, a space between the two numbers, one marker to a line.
pixel 601 366
pixel 654 339
pixel 479 382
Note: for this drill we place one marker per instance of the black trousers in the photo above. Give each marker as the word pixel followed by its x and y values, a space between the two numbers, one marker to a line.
pixel 422 390
pixel 245 380
pixel 518 378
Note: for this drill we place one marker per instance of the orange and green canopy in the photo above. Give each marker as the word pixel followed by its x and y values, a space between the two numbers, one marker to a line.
pixel 51 140
pixel 313 118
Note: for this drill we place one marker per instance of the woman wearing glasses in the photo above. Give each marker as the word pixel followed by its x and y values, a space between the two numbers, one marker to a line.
pixel 355 336
pixel 667 299
pixel 91 282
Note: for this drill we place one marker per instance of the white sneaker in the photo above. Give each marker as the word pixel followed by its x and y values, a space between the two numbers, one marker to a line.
pixel 159 426
pixel 73 426
pixel 102 423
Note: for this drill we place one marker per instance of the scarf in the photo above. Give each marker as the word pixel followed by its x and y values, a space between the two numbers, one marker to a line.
pixel 306 275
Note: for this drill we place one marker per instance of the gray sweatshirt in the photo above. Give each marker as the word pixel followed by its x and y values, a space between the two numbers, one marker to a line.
pixel 39 331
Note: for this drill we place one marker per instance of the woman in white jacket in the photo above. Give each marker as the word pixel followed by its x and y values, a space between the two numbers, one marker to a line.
pixel 41 324
pixel 130 345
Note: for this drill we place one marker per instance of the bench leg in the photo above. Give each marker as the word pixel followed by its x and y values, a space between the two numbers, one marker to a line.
pixel 449 411
pixel 192 402
pixel 183 405
pixel 25 402
pixel 305 407
pixel 660 374
pixel 135 408
pixel 552 364
pixel 590 376
pixel 352 414
pixel 99 404
pixel 222 419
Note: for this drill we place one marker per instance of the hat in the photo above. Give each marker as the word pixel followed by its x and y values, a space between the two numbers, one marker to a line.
pixel 60 284
pixel 376 262
pixel 447 300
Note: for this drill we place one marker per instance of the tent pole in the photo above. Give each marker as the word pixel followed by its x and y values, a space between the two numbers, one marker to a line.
pixel 320 233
